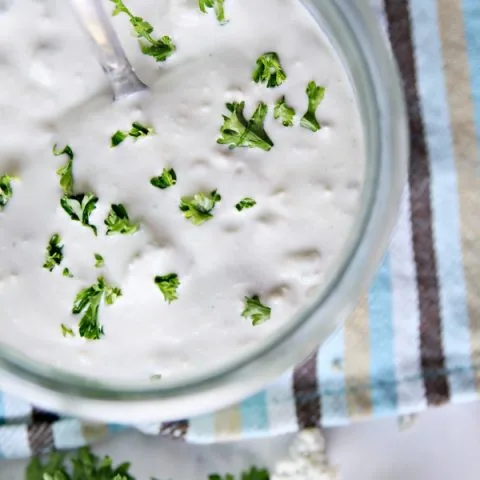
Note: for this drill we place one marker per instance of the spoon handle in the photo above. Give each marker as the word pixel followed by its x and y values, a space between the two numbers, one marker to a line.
pixel 110 53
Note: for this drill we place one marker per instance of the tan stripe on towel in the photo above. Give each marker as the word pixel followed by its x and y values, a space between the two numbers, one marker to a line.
pixel 228 423
pixel 357 361
pixel 466 155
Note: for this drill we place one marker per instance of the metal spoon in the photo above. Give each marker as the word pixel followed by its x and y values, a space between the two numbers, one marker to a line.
pixel 111 56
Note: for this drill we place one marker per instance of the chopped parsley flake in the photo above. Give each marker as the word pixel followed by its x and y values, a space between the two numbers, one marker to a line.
pixel 198 209
pixel 217 5
pixel 245 203
pixel 167 179
pixel 315 95
pixel 66 172
pixel 80 207
pixel 158 48
pixel 238 132
pixel 67 273
pixel 99 261
pixel 67 331
pixel 112 294
pixel 6 190
pixel 284 112
pixel 256 311
pixel 269 70
pixel 66 150
pixel 168 285
pixel 137 131
pixel 54 255
pixel 88 302
pixel 118 222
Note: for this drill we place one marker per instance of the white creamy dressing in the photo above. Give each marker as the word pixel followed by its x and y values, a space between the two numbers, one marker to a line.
pixel 307 187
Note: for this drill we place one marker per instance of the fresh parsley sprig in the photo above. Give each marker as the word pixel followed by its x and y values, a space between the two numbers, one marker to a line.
pixel 269 70
pixel 88 302
pixel 252 474
pixel 82 465
pixel 66 171
pixel 198 209
pixel 256 311
pixel 158 48
pixel 54 255
pixel 284 112
pixel 315 94
pixel 137 131
pixel 238 132
pixel 85 465
pixel 245 203
pixel 167 179
pixel 168 285
pixel 80 207
pixel 217 5
pixel 6 190
pixel 118 221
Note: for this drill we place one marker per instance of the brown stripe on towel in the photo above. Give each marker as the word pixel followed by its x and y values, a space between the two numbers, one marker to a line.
pixel 307 396
pixel 432 356
pixel 40 432
pixel 175 429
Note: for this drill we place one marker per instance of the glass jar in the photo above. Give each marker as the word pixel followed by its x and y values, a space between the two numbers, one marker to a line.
pixel 355 35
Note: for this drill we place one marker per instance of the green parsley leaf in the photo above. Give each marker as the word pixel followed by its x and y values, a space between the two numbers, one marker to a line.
pixel 269 70
pixel 217 5
pixel 167 179
pixel 67 331
pixel 238 132
pixel 315 95
pixel 160 49
pixel 256 311
pixel 118 221
pixel 156 377
pixel 80 207
pixel 252 474
pixel 255 474
pixel 84 466
pixel 66 172
pixel 198 209
pixel 6 190
pixel 168 285
pixel 245 203
pixel 284 112
pixel 67 273
pixel 53 468
pixel 99 261
pixel 54 255
pixel 88 302
pixel 137 131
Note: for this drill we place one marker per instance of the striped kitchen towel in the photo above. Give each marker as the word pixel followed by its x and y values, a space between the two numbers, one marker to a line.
pixel 414 341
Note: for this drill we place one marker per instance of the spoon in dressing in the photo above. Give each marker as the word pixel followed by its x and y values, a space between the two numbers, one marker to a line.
pixel 112 58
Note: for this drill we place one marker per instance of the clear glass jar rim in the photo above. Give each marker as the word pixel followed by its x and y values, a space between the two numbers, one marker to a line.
pixel 366 53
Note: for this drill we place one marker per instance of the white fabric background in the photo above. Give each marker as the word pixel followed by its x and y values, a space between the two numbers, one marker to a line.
pixel 443 444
